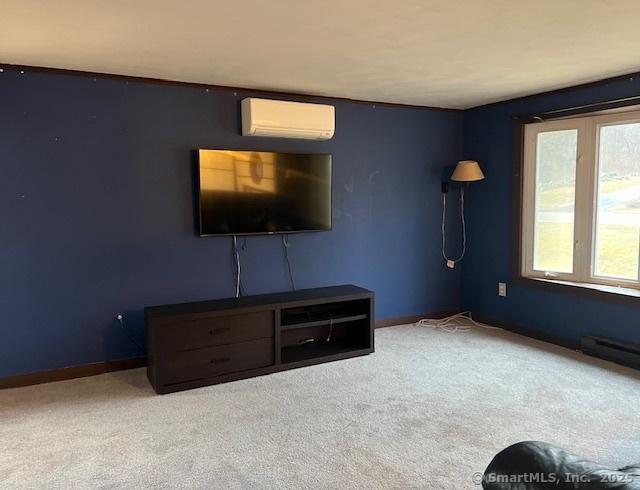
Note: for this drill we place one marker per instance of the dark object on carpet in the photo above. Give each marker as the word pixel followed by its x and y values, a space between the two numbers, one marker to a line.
pixel 535 465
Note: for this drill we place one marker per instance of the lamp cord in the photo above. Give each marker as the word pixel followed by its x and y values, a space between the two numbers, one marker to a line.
pixel 464 227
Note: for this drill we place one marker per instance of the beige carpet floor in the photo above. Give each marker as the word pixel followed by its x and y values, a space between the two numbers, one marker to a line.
pixel 427 410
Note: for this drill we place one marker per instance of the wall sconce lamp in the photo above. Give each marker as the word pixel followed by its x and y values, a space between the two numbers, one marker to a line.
pixel 466 171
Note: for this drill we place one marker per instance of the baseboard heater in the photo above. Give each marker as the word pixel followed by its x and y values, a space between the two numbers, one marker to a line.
pixel 623 353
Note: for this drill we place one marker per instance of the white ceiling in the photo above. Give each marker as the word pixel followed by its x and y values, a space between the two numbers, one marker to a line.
pixel 456 53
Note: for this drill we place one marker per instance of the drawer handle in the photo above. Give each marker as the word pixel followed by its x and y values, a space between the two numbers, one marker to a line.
pixel 220 360
pixel 217 331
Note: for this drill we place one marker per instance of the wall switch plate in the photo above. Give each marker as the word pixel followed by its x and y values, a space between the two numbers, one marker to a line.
pixel 502 289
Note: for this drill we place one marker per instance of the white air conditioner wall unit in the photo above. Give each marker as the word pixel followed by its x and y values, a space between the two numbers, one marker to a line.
pixel 283 119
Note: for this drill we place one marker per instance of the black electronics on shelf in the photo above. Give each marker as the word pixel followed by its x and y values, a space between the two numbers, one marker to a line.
pixel 197 344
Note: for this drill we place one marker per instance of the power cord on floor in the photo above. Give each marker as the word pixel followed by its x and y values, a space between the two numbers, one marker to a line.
pixel 120 319
pixel 460 322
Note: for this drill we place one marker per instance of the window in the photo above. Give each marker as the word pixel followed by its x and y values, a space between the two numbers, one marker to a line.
pixel 581 200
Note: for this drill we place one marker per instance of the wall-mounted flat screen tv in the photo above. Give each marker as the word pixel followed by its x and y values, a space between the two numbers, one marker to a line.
pixel 257 192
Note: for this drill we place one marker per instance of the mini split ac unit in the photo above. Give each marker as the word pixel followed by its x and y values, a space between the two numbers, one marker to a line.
pixel 281 119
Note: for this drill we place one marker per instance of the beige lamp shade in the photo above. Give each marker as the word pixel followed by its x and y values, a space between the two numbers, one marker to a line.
pixel 467 171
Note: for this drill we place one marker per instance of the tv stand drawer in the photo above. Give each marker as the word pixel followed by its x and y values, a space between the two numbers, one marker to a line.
pixel 214 361
pixel 196 333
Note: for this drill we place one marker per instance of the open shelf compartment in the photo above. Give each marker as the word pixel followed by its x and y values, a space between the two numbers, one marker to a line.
pixel 325 330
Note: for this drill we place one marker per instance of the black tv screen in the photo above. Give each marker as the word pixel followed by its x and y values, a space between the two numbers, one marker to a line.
pixel 256 192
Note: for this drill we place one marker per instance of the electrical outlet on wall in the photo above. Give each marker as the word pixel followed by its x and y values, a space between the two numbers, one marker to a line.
pixel 502 289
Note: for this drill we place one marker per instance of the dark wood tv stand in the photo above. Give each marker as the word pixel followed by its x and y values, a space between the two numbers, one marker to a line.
pixel 197 344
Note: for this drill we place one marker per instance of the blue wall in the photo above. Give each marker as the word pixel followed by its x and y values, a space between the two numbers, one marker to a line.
pixel 97 211
pixel 561 315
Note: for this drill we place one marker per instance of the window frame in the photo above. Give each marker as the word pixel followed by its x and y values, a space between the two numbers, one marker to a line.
pixel 586 197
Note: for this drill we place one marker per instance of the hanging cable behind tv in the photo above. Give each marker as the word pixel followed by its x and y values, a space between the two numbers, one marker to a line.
pixel 237 267
pixel 285 246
